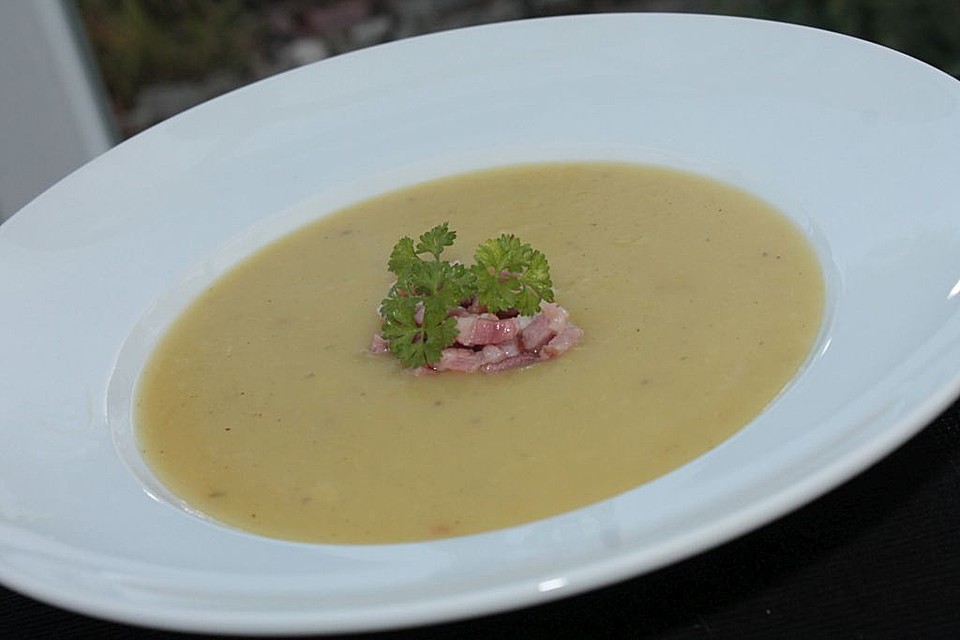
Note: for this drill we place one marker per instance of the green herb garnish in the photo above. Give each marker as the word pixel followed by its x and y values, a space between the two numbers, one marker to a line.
pixel 508 277
pixel 511 275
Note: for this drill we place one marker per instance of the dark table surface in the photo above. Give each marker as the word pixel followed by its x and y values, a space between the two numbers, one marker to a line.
pixel 879 557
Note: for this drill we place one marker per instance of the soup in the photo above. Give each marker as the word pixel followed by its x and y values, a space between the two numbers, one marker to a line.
pixel 263 409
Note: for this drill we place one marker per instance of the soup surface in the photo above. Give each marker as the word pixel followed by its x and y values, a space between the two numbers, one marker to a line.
pixel 262 408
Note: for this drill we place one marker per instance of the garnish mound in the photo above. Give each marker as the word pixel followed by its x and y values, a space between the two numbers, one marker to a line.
pixel 495 315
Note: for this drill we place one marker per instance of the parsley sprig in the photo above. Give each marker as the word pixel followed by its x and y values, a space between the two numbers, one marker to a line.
pixel 511 275
pixel 508 277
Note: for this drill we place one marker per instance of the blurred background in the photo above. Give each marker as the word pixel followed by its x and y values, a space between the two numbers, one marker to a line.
pixel 82 75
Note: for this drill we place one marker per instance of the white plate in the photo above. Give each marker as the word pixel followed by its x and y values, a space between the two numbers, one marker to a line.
pixel 858 142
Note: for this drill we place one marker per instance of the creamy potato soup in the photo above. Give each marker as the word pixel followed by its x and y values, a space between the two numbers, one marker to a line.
pixel 262 407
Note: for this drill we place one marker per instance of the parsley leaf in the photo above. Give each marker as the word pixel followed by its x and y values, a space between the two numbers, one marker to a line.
pixel 511 275
pixel 406 255
pixel 402 256
pixel 435 240
pixel 415 343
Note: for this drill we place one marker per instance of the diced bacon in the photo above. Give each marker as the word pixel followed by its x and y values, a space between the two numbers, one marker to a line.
pixel 465 325
pixel 536 334
pixel 562 342
pixel 485 329
pixel 457 359
pixel 511 348
pixel 557 315
pixel 521 360
pixel 492 353
pixel 379 345
pixel 551 320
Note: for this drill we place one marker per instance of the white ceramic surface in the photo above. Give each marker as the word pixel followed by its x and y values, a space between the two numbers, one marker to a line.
pixel 861 145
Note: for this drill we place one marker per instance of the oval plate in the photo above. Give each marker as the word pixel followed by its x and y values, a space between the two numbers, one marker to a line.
pixel 858 140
